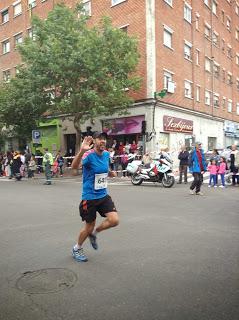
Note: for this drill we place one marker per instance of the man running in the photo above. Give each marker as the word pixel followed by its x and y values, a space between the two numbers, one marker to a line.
pixel 95 166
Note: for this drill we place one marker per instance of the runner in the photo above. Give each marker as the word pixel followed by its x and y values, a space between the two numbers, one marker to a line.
pixel 95 163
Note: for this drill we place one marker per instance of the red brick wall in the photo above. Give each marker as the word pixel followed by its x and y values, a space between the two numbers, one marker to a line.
pixel 132 12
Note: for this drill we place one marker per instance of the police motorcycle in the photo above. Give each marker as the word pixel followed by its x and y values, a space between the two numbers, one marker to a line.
pixel 160 171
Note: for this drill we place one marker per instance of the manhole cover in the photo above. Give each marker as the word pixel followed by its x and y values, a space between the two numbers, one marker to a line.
pixel 46 280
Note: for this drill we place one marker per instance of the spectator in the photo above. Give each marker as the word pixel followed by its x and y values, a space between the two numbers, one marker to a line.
pixel 183 164
pixel 197 166
pixel 234 158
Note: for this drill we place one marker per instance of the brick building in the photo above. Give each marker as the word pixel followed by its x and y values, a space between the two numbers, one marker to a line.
pixel 190 48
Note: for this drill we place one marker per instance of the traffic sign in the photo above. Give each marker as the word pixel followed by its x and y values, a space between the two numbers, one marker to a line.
pixel 36 136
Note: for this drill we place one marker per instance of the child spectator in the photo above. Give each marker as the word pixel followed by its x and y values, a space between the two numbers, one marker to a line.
pixel 212 168
pixel 222 169
pixel 31 167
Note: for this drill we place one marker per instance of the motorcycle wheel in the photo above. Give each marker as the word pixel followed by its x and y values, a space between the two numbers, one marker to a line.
pixel 168 182
pixel 136 180
pixel 228 180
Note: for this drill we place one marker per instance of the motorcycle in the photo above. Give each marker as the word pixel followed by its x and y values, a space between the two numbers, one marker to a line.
pixel 160 171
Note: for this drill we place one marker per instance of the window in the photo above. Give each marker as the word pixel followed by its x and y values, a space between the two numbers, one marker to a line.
pixel 18 39
pixel 31 3
pixel 214 7
pixel 167 78
pixel 5 46
pixel 115 2
pixel 197 21
pixel 223 45
pixel 6 75
pixel 229 52
pixel 167 37
pixel 208 64
pixel 207 32
pixel 223 17
pixel 124 28
pixel 215 39
pixel 31 34
pixel 198 93
pixel 188 50
pixel 197 57
pixel 237 84
pixel 223 103
pixel 223 75
pixel 187 12
pixel 86 8
pixel 237 9
pixel 207 97
pixel 229 106
pixel 188 89
pixel 237 34
pixel 228 24
pixel 216 70
pixel 5 16
pixel 229 79
pixel 17 8
pixel 237 59
pixel 237 108
pixel 216 100
pixel 170 2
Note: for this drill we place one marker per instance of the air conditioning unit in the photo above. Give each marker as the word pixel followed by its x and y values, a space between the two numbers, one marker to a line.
pixel 171 87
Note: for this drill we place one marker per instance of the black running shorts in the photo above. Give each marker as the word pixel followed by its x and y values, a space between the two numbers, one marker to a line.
pixel 89 208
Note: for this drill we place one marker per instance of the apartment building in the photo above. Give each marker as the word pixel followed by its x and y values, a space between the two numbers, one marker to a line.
pixel 188 48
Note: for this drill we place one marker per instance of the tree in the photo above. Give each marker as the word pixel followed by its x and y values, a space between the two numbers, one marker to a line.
pixel 22 104
pixel 84 71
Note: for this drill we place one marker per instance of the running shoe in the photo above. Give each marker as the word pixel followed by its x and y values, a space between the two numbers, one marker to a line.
pixel 199 193
pixel 93 241
pixel 79 255
pixel 191 192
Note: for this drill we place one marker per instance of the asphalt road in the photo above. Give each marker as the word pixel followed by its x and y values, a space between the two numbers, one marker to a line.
pixel 174 256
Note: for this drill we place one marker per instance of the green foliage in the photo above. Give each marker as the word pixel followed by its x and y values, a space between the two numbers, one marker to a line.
pixel 84 70
pixel 70 68
pixel 22 103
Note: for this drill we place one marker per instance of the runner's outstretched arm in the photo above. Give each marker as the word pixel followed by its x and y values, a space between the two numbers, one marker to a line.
pixel 85 146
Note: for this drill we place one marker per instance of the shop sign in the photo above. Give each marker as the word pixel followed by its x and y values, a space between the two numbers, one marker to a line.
pixel 177 124
pixel 127 125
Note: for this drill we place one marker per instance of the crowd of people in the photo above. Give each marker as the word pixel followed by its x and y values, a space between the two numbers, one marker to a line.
pixel 25 164
pixel 217 166
pixel 15 164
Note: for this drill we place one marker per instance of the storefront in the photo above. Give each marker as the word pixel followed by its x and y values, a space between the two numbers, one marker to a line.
pixel 126 129
pixel 231 130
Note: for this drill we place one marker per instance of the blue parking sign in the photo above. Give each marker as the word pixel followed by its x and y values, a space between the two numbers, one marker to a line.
pixel 36 136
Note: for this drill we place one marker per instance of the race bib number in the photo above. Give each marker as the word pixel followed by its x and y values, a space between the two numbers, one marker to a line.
pixel 101 181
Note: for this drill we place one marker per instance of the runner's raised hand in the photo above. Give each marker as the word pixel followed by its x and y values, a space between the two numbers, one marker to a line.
pixel 87 144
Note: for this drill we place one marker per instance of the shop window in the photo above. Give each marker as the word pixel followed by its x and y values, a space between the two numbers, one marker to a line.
pixel 212 143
